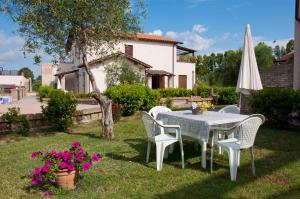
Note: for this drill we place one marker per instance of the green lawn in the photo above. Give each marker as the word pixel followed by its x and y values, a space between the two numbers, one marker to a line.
pixel 124 174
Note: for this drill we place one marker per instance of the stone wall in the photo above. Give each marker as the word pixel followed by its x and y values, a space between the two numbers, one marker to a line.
pixel 278 76
pixel 38 121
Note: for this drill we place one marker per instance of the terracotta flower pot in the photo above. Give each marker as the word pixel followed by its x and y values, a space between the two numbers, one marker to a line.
pixel 66 179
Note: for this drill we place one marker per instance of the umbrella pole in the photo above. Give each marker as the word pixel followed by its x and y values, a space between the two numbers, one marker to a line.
pixel 240 100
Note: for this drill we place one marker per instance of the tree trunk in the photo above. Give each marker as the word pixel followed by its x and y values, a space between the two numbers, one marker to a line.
pixel 104 102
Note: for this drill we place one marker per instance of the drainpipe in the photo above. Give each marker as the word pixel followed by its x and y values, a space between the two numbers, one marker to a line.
pixel 173 67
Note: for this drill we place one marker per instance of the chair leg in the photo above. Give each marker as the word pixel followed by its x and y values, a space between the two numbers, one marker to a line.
pixel 233 164
pixel 211 157
pixel 221 151
pixel 182 153
pixel 148 151
pixel 238 156
pixel 252 160
pixel 203 153
pixel 159 155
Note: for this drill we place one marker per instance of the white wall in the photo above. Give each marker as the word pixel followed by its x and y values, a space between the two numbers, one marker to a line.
pixel 182 68
pixel 48 72
pixel 17 80
pixel 161 56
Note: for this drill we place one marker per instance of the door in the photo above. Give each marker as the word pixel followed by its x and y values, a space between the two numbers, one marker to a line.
pixel 182 79
pixel 161 82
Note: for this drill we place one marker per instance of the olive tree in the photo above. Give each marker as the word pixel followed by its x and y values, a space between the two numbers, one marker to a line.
pixel 89 27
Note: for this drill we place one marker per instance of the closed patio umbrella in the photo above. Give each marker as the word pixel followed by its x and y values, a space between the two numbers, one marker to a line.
pixel 249 78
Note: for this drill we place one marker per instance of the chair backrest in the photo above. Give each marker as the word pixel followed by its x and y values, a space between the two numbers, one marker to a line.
pixel 247 130
pixel 149 124
pixel 158 109
pixel 230 109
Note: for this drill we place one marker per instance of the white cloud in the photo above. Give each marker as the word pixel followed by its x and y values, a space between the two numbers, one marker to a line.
pixel 156 32
pixel 272 43
pixel 226 35
pixel 193 38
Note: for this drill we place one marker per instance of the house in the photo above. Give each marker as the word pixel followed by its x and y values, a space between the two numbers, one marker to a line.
pixel 154 57
pixel 13 86
pixel 296 78
pixel 281 73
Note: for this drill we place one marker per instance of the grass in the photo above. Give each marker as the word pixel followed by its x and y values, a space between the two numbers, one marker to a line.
pixel 123 172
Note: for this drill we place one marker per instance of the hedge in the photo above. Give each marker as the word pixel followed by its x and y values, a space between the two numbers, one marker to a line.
pixel 276 104
pixel 133 97
pixel 227 95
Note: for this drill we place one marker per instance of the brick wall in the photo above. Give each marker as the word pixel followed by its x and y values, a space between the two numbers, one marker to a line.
pixel 278 76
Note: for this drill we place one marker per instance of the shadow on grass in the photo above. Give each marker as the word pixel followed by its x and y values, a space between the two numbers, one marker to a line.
pixel 11 137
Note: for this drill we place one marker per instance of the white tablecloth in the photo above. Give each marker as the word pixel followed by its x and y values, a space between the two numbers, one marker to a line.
pixel 198 126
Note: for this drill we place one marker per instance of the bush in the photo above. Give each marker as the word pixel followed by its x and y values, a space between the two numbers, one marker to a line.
pixel 276 104
pixel 175 92
pixel 151 99
pixel 133 97
pixel 61 109
pixel 169 102
pixel 202 90
pixel 45 91
pixel 226 95
pixel 83 95
pixel 18 123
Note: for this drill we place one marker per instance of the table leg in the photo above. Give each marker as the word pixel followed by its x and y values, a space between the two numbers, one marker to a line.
pixel 203 155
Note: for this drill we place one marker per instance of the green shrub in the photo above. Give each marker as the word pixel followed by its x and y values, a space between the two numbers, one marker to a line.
pixel 202 90
pixel 276 104
pixel 44 91
pixel 61 109
pixel 226 95
pixel 83 95
pixel 169 102
pixel 151 99
pixel 297 103
pixel 175 92
pixel 18 123
pixel 132 97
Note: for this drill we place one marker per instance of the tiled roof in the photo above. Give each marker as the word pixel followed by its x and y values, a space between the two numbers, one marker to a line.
pixel 158 38
pixel 286 57
pixel 119 54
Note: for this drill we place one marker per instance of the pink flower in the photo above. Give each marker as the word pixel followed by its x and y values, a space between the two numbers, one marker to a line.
pixel 81 150
pixel 45 168
pixel 34 154
pixel 47 193
pixel 79 158
pixel 37 171
pixel 96 157
pixel 75 144
pixel 86 166
pixel 71 166
pixel 55 154
pixel 63 165
pixel 66 155
pixel 34 181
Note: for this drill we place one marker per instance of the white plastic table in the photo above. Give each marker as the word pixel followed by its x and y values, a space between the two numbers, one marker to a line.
pixel 198 127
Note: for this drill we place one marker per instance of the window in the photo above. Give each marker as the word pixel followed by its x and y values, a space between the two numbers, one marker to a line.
pixel 129 50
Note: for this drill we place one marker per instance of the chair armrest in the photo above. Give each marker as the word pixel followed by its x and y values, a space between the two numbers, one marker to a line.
pixel 176 127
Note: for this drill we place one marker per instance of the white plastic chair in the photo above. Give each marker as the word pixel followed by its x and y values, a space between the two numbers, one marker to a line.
pixel 161 139
pixel 154 112
pixel 246 132
pixel 158 109
pixel 230 109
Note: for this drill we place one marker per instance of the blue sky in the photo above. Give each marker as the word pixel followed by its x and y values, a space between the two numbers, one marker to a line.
pixel 205 25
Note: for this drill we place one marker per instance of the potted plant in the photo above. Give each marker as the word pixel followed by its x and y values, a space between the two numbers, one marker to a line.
pixel 62 168
pixel 201 107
